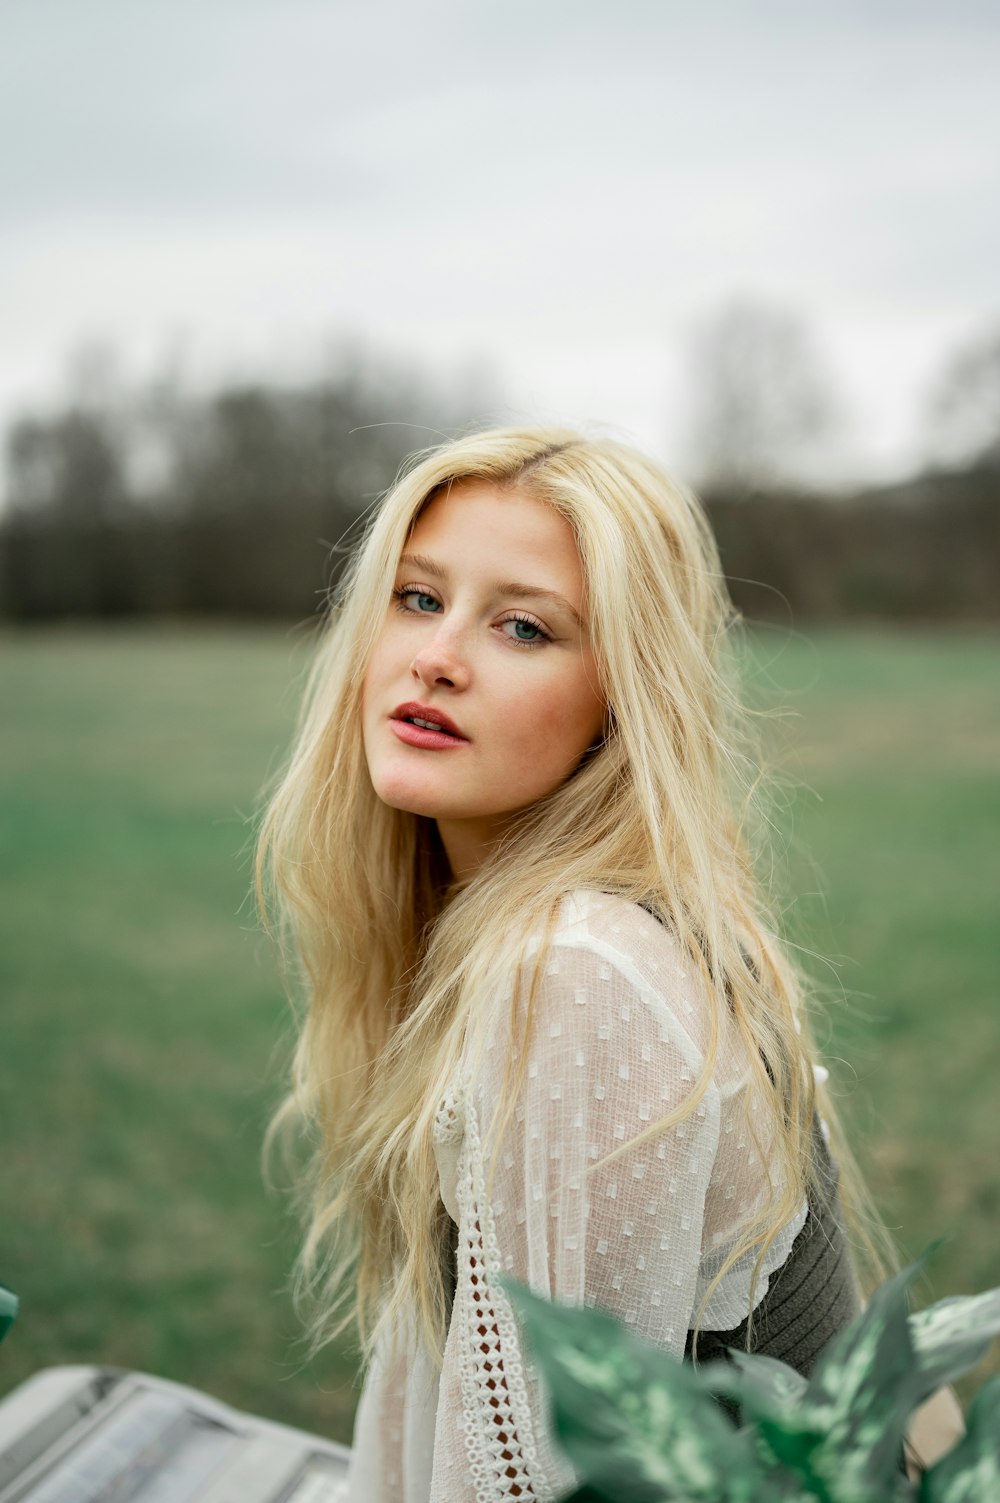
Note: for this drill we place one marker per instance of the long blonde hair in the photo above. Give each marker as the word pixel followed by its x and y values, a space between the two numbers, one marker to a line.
pixel 391 957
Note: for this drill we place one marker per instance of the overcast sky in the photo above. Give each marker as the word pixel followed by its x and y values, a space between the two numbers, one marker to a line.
pixel 558 191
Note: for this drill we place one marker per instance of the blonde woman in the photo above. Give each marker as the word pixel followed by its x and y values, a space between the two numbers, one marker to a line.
pixel 551 1031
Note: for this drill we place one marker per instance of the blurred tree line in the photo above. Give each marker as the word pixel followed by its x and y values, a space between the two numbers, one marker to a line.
pixel 155 500
pixel 151 499
pixel 765 408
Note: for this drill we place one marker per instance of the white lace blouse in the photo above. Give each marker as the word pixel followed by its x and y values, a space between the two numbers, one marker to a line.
pixel 618 1041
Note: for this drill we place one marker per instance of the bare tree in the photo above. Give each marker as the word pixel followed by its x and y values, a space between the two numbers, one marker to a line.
pixel 963 413
pixel 69 467
pixel 762 403
pixel 71 462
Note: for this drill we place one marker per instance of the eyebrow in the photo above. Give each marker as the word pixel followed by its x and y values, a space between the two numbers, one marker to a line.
pixel 509 587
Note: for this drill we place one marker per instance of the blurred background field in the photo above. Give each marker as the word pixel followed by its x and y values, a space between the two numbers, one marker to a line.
pixel 145 1031
pixel 256 255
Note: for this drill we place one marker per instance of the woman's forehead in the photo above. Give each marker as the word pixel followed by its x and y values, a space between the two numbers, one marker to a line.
pixel 480 524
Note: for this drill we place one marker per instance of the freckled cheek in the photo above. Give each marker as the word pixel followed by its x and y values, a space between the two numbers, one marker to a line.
pixel 555 724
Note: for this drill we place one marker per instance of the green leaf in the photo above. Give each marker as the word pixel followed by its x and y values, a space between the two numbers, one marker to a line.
pixel 970 1473
pixel 794 1440
pixel 632 1419
pixel 951 1337
pixel 847 1437
pixel 8 1309
pixel 758 1384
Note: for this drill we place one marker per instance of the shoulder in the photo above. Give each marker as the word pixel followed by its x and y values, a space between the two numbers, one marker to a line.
pixel 590 919
pixel 604 921
pixel 606 957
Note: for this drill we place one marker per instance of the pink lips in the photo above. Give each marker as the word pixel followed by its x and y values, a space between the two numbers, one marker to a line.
pixel 418 735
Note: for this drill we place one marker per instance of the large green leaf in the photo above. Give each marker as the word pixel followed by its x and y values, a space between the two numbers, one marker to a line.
pixel 845 1437
pixel 970 1473
pixel 767 1394
pixel 633 1420
pixel 951 1337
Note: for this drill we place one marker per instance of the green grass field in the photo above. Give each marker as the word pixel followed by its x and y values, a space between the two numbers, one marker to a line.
pixel 145 1030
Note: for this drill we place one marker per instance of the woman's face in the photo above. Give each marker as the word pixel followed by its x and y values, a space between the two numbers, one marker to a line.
pixel 486 637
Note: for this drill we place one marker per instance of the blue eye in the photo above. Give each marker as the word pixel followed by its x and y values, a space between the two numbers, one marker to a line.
pixel 426 604
pixel 526 633
pixel 522 627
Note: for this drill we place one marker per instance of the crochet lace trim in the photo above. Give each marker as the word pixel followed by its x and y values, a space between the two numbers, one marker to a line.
pixel 499 1438
pixel 449 1122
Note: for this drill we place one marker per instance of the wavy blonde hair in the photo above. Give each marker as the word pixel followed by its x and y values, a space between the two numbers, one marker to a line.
pixel 390 956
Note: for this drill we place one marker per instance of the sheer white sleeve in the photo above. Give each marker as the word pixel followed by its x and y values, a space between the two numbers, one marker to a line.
pixel 616 1044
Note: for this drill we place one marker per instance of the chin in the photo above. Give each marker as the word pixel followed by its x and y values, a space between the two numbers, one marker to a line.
pixel 399 794
pixel 427 808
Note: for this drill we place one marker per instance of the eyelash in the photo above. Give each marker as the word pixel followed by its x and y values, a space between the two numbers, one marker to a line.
pixel 543 637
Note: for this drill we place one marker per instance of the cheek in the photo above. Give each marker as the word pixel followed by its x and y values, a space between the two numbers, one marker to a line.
pixel 371 703
pixel 367 699
pixel 561 719
pixel 377 673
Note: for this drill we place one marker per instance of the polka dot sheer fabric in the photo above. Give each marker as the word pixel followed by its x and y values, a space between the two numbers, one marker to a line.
pixel 618 1041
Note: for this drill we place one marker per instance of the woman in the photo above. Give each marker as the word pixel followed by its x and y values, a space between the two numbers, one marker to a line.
pixel 551 1031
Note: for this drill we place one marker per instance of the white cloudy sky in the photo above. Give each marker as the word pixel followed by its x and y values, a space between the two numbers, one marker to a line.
pixel 557 190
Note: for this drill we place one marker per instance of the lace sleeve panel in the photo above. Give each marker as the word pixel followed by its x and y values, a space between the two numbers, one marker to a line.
pixel 609 1054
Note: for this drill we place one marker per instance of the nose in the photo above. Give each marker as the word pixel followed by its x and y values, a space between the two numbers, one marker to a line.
pixel 442 661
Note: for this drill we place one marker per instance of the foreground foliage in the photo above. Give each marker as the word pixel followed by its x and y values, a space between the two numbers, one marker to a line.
pixel 639 1426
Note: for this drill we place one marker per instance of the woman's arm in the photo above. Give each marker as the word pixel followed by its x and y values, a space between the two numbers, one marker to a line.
pixel 608 1056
